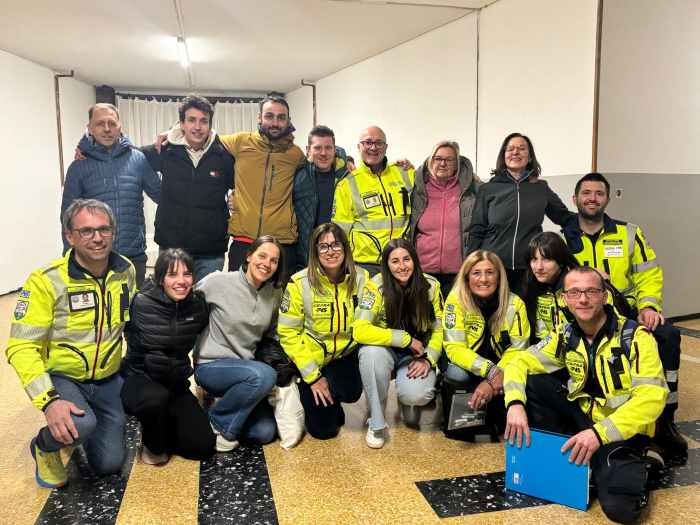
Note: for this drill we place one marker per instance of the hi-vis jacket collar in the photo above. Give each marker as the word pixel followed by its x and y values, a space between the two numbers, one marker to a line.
pixel 116 263
pixel 573 232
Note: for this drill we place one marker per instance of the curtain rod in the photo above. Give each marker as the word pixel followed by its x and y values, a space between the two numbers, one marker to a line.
pixel 167 98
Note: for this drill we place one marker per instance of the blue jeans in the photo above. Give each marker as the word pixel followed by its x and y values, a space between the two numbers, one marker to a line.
pixel 203 266
pixel 242 386
pixel 101 429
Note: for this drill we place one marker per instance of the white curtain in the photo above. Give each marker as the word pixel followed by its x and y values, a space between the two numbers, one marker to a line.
pixel 142 120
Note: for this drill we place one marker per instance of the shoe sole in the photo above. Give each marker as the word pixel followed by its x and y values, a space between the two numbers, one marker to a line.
pixel 40 481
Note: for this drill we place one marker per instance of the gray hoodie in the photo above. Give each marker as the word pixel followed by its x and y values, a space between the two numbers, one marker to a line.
pixel 239 316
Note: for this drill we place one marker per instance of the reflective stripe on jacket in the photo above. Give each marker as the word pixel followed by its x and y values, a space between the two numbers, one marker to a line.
pixel 69 323
pixel 370 320
pixel 633 385
pixel 316 326
pixel 373 209
pixel 464 334
pixel 621 250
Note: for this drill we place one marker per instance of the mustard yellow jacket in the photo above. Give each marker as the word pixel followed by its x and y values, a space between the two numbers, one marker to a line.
pixel 264 175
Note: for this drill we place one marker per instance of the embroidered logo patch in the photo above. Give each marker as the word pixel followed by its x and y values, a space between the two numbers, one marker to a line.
pixel 24 294
pixel 450 320
pixel 21 309
pixel 284 305
pixel 368 300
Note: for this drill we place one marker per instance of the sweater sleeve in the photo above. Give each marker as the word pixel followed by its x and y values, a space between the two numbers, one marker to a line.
pixel 477 230
pixel 556 210
pixel 368 329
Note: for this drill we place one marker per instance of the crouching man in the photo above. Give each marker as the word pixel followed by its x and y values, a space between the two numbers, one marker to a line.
pixel 598 377
pixel 66 345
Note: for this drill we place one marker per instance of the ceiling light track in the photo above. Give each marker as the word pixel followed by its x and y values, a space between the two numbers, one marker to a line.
pixel 183 51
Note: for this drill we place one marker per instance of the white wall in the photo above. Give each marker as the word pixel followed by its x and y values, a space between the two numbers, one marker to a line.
pixel 30 191
pixel 536 76
pixel 76 98
pixel 419 92
pixel 650 87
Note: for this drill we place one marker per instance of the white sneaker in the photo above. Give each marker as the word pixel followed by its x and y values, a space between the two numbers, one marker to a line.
pixel 375 438
pixel 149 458
pixel 223 444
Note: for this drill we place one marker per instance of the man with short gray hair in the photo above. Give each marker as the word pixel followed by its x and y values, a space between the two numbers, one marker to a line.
pixel 66 345
pixel 117 173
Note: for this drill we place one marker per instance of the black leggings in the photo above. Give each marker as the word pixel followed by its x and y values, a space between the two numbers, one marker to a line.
pixel 345 383
pixel 172 420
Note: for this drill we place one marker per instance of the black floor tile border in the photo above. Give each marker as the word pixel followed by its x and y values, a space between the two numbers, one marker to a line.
pixel 690 332
pixel 235 488
pixel 90 499
pixel 482 493
pixel 690 429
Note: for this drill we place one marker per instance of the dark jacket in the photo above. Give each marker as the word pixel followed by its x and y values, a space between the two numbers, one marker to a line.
pixel 161 334
pixel 193 213
pixel 468 185
pixel 509 213
pixel 117 177
pixel 305 196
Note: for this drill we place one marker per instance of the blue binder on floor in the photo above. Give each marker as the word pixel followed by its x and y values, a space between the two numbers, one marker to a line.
pixel 542 471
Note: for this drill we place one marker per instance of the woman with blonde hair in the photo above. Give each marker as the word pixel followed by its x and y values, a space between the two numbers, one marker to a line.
pixel 484 325
pixel 315 329
pixel 442 200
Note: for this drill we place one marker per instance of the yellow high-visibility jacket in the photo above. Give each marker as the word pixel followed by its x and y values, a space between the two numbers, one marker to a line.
pixel 463 334
pixel 315 327
pixel 373 209
pixel 621 250
pixel 68 323
pixel 633 385
pixel 370 320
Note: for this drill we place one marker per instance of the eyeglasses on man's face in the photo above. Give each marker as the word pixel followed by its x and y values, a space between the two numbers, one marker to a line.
pixel 590 293
pixel 379 144
pixel 89 233
pixel 325 247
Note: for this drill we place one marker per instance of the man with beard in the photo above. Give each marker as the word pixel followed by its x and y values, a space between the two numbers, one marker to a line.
pixel 266 161
pixel 620 252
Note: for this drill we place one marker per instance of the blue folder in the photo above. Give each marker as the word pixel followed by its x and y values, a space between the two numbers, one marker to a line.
pixel 542 471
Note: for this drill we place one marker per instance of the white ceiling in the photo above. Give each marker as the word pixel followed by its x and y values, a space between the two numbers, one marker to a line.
pixel 234 45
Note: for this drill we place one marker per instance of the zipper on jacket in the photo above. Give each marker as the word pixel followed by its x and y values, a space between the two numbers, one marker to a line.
pixel 386 198
pixel 517 222
pixel 602 373
pixel 262 199
pixel 335 335
pixel 101 310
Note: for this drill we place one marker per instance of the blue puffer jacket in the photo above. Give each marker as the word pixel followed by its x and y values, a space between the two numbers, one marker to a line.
pixel 117 177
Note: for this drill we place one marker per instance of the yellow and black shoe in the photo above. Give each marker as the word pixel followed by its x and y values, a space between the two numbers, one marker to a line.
pixel 50 471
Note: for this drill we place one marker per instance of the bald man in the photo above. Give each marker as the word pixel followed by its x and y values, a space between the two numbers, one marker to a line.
pixel 372 204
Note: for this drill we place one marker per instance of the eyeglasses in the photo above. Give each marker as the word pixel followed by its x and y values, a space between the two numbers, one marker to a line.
pixel 444 160
pixel 89 233
pixel 591 293
pixel 324 247
pixel 379 144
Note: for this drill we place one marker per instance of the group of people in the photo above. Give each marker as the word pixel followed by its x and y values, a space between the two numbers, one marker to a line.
pixel 344 273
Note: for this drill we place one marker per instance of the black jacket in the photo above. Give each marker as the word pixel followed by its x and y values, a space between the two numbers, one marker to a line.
pixel 193 213
pixel 161 333
pixel 509 213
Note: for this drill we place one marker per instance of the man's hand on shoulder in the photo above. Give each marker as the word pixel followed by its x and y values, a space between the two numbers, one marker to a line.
pixel 161 141
pixel 650 318
pixel 60 422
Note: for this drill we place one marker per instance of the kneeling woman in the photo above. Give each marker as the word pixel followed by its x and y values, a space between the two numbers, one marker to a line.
pixel 550 259
pixel 400 323
pixel 315 330
pixel 166 318
pixel 484 326
pixel 243 308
